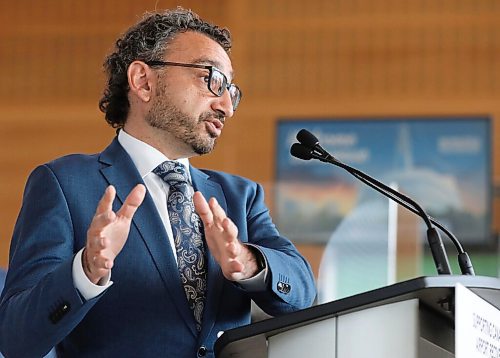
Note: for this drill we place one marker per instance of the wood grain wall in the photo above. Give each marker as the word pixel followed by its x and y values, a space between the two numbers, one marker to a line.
pixel 293 58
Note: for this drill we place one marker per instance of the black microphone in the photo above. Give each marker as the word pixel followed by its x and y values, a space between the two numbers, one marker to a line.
pixel 301 151
pixel 310 141
pixel 307 138
pixel 309 148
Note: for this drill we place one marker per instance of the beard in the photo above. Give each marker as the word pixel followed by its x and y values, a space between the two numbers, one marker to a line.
pixel 167 117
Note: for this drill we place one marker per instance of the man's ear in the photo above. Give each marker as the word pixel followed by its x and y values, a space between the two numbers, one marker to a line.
pixel 140 79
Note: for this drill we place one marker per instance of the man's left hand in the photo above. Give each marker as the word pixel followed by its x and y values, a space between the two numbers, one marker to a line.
pixel 236 260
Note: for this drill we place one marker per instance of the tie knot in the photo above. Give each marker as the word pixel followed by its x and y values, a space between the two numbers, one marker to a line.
pixel 171 172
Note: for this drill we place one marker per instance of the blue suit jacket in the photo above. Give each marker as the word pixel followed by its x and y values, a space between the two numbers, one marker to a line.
pixel 145 312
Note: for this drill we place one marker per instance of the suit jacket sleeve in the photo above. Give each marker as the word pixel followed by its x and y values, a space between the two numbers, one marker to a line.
pixel 40 305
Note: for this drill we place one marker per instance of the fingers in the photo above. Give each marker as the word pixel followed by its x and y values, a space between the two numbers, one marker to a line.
pixel 108 231
pixel 132 202
pixel 218 213
pixel 229 227
pixel 104 214
pixel 221 235
pixel 211 213
pixel 214 216
pixel 106 202
pixel 202 208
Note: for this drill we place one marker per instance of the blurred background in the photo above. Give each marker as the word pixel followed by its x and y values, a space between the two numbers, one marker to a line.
pixel 295 61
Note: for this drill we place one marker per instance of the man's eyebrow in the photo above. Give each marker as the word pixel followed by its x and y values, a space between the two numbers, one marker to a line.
pixel 210 62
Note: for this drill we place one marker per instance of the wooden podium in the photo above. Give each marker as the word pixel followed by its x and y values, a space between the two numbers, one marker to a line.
pixel 410 319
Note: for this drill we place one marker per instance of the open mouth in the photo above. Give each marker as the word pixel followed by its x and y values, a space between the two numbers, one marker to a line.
pixel 214 127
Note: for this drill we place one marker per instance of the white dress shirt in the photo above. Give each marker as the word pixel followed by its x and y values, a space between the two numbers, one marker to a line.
pixel 146 158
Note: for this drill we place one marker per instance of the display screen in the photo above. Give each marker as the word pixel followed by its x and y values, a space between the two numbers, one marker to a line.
pixel 442 163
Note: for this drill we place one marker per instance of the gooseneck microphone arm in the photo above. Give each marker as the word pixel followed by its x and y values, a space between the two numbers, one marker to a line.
pixel 311 149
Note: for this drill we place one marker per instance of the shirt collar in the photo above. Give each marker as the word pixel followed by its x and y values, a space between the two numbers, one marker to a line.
pixel 144 156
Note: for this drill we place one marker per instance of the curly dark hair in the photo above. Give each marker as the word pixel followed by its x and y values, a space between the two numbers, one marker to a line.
pixel 147 41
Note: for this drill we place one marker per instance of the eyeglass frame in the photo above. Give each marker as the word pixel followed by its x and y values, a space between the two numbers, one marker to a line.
pixel 211 70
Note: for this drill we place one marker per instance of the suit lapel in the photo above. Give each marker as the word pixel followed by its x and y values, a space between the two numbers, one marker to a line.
pixel 215 278
pixel 120 171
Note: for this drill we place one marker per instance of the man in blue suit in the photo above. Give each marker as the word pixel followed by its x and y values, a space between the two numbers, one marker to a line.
pixel 103 261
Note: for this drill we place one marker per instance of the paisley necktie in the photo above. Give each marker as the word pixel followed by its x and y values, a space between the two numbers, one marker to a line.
pixel 188 235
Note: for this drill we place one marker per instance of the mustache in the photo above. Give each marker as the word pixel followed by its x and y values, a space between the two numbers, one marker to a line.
pixel 217 115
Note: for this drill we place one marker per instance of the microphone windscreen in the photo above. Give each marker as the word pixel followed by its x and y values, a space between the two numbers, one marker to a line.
pixel 307 138
pixel 300 151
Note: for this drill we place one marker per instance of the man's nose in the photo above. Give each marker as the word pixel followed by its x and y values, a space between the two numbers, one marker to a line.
pixel 224 105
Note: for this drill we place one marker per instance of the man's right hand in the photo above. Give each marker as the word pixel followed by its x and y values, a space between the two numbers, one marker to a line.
pixel 108 232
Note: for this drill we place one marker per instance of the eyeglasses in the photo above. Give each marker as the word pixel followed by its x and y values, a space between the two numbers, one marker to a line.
pixel 217 81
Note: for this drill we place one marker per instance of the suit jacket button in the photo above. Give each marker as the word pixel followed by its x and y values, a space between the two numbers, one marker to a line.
pixel 202 351
pixel 59 312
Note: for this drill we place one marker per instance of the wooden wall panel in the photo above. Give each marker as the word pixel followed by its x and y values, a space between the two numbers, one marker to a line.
pixel 54 49
pixel 293 58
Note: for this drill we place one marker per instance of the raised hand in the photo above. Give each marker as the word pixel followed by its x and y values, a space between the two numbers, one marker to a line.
pixel 109 231
pixel 236 260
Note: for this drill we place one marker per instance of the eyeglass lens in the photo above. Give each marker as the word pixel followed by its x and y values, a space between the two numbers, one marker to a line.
pixel 218 83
